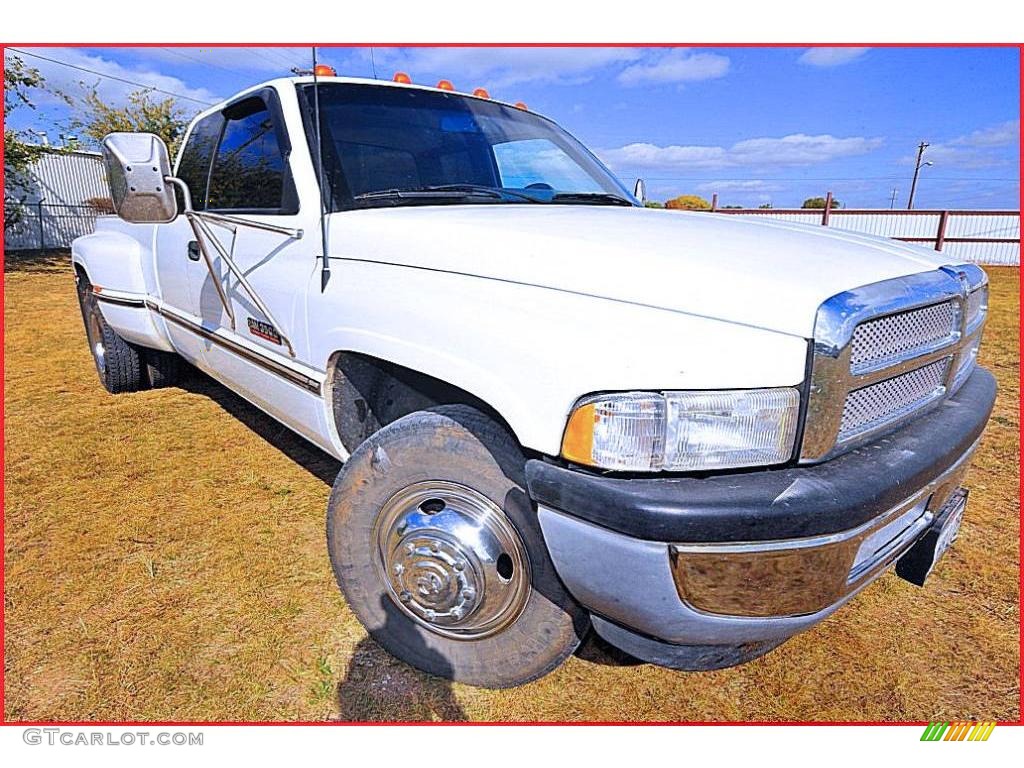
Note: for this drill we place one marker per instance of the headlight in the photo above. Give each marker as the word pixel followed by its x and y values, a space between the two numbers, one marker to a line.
pixel 683 431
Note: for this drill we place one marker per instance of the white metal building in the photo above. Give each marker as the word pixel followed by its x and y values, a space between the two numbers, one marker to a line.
pixel 64 192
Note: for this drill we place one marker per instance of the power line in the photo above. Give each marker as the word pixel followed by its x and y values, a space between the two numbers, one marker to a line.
pixel 113 77
pixel 272 56
pixel 204 63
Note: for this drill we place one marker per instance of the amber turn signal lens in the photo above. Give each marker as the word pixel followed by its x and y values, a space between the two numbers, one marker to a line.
pixel 322 70
pixel 401 77
pixel 578 441
pixel 521 105
pixel 445 85
pixel 482 93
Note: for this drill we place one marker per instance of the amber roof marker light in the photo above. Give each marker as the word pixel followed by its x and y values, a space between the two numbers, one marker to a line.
pixel 445 85
pixel 481 93
pixel 401 77
pixel 323 70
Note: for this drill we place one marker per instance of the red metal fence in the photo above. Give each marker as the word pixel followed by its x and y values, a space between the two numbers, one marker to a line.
pixel 984 237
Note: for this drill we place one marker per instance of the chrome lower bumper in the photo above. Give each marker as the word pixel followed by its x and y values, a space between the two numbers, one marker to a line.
pixel 731 594
pixel 803 576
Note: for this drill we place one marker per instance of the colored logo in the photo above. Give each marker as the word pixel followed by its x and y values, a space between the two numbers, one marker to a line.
pixel 958 731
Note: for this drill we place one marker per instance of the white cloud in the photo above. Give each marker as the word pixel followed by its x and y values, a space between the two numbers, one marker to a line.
pixel 831 57
pixel 76 82
pixel 793 150
pixel 800 149
pixel 499 67
pixel 642 155
pixel 679 65
pixel 975 150
pixel 995 136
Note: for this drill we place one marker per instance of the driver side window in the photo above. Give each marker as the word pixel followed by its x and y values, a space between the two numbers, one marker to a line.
pixel 248 171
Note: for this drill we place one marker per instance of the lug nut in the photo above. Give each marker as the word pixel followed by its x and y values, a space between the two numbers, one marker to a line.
pixel 458 565
pixel 399 569
pixel 404 596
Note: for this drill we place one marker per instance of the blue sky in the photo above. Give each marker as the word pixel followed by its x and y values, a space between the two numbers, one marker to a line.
pixel 754 124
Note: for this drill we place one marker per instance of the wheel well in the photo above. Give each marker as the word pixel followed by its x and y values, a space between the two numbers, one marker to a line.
pixel 367 393
pixel 81 278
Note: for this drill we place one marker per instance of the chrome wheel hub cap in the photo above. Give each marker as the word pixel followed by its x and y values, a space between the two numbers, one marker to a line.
pixel 451 560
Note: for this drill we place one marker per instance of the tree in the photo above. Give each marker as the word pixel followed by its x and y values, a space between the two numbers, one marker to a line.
pixel 688 203
pixel 765 206
pixel 819 202
pixel 142 113
pixel 19 82
pixel 653 204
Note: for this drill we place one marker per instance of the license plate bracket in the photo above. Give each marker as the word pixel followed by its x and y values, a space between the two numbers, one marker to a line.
pixel 920 560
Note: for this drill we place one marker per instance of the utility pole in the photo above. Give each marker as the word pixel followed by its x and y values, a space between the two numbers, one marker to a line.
pixel 892 198
pixel 917 169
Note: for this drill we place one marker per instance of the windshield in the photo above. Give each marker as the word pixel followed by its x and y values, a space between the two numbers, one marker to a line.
pixel 385 146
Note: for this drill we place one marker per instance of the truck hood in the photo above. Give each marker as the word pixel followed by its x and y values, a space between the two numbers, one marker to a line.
pixel 763 273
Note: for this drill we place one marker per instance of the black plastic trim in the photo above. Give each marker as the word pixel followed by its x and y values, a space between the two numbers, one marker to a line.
pixel 776 504
pixel 135 303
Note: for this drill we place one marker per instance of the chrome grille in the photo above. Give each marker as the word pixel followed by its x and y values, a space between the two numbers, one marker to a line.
pixel 968 359
pixel 884 352
pixel 977 304
pixel 891 398
pixel 897 337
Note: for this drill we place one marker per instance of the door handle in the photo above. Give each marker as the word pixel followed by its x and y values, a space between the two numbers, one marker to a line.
pixel 193 250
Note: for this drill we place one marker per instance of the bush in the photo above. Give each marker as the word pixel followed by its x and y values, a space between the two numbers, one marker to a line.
pixel 819 202
pixel 688 203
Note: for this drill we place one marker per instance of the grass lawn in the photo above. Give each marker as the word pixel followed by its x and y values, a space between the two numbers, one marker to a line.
pixel 165 559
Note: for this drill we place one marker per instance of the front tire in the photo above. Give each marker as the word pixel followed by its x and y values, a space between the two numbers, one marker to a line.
pixel 438 550
pixel 118 363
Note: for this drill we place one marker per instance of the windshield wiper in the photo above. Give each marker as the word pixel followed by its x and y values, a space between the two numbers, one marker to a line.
pixel 591 198
pixel 498 191
pixel 426 194
pixel 446 192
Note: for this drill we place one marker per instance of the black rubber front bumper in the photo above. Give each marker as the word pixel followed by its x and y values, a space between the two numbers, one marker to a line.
pixel 776 504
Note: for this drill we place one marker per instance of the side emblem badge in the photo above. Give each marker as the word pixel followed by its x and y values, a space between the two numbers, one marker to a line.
pixel 264 330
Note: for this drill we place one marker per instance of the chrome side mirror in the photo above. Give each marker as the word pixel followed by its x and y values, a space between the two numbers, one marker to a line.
pixel 640 191
pixel 138 167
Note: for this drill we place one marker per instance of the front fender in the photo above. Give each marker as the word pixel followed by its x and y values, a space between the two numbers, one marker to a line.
pixel 531 353
pixel 115 259
pixel 116 262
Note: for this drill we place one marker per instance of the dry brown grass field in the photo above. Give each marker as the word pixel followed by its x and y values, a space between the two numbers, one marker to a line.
pixel 165 559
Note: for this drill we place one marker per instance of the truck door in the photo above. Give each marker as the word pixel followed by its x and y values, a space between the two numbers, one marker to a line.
pixel 250 178
pixel 179 267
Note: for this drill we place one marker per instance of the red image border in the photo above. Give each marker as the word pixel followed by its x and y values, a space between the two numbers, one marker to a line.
pixel 5 722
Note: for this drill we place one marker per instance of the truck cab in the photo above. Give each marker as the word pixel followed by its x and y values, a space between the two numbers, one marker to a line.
pixel 557 409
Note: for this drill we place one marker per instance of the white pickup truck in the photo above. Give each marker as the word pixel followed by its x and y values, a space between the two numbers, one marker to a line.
pixel 556 408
